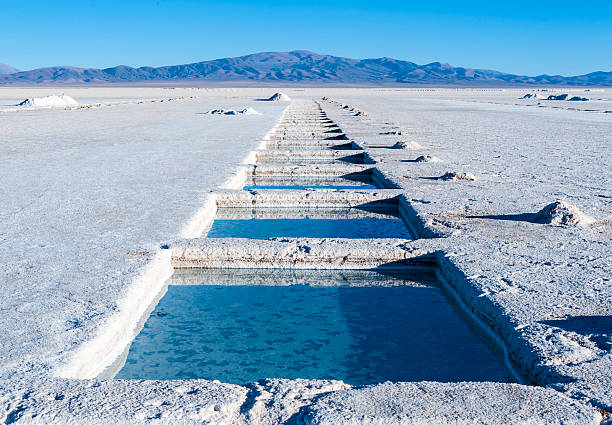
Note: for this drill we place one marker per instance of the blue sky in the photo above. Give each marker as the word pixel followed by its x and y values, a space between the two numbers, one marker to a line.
pixel 535 37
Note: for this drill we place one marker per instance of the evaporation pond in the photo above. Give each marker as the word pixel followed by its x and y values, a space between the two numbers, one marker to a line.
pixel 357 182
pixel 359 327
pixel 351 159
pixel 264 223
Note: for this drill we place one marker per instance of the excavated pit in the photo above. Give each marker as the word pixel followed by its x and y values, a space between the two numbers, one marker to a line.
pixel 350 223
pixel 362 327
pixel 308 182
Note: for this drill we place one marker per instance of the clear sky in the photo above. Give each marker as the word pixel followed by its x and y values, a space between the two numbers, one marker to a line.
pixel 523 37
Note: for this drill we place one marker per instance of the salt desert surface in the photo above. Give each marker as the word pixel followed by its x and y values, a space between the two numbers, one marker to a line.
pixel 96 200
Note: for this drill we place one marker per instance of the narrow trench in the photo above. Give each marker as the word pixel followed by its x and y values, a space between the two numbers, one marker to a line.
pixel 359 326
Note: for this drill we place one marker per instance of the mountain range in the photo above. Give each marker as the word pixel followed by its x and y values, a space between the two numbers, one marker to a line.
pixel 295 68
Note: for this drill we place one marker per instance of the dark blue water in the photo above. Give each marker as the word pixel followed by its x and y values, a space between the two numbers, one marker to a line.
pixel 361 335
pixel 354 228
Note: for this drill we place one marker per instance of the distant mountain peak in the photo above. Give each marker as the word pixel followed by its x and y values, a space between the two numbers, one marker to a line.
pixel 304 52
pixel 299 67
pixel 7 69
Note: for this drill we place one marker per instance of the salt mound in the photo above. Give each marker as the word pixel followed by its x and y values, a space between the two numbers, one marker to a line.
pixel 279 97
pixel 427 158
pixel 560 213
pixel 532 96
pixel 406 145
pixel 562 96
pixel 567 97
pixel 48 101
pixel 452 176
pixel 247 111
pixel 221 112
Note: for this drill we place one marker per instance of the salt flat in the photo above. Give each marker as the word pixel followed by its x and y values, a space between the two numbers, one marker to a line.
pixel 89 196
pixel 546 288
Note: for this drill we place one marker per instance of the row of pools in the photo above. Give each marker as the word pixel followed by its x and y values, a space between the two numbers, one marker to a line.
pixel 359 326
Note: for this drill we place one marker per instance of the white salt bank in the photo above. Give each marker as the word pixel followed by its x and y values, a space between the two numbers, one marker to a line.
pixel 49 102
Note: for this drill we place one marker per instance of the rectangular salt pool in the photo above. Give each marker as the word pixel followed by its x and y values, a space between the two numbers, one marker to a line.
pixel 264 223
pixel 309 182
pixel 361 327
pixel 315 159
pixel 313 144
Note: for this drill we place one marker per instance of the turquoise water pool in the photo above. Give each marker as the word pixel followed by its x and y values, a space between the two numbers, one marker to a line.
pixel 308 182
pixel 359 327
pixel 267 223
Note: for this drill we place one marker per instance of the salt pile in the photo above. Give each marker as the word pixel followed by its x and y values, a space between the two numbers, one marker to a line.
pixel 452 176
pixel 406 145
pixel 279 97
pixel 249 111
pixel 578 99
pixel 562 96
pixel 246 111
pixel 560 213
pixel 532 96
pixel 221 112
pixel 565 96
pixel 49 101
pixel 427 158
